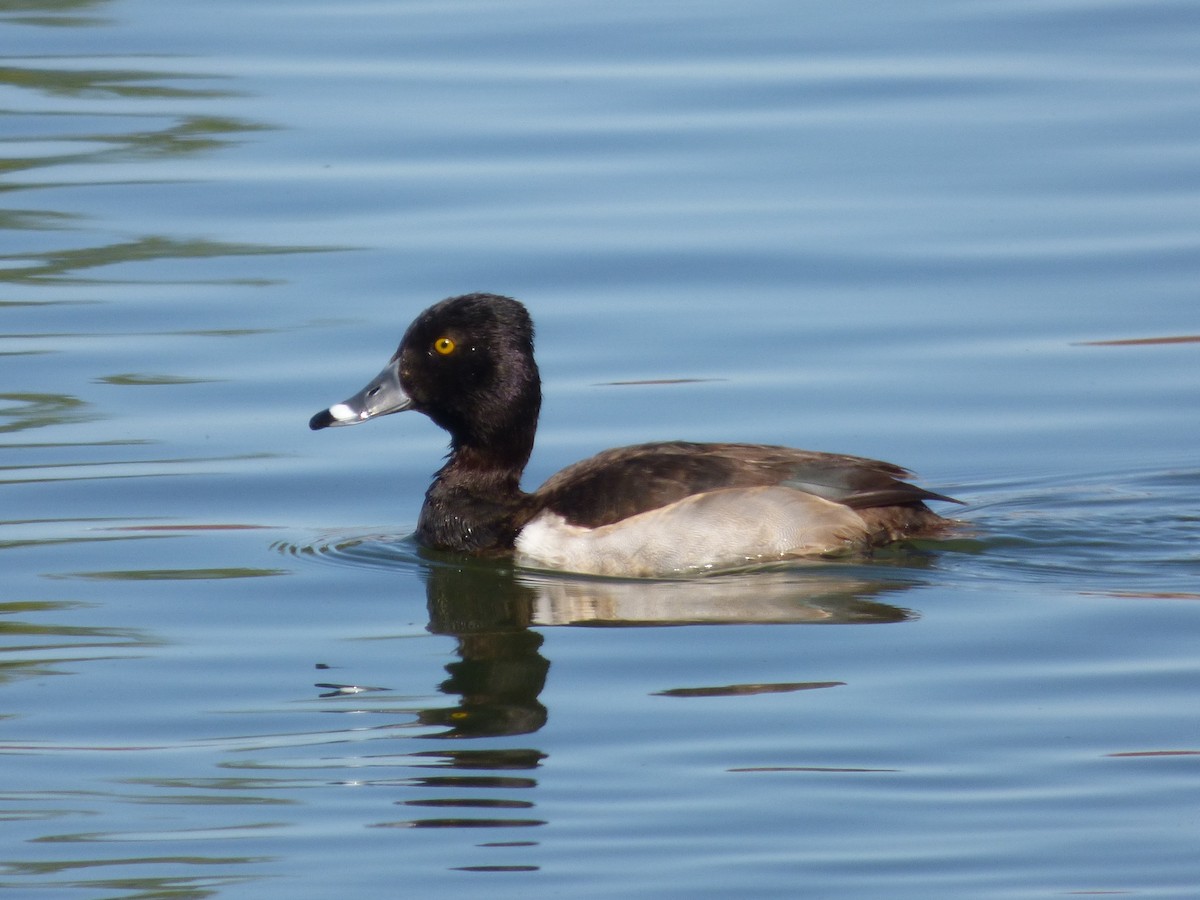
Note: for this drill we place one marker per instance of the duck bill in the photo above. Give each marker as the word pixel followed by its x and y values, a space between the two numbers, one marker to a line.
pixel 382 396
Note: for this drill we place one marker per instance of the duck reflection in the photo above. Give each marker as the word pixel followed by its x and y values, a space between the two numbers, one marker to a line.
pixel 491 610
pixel 496 615
pixel 501 671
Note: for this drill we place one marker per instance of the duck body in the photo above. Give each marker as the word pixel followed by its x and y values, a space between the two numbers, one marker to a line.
pixel 645 510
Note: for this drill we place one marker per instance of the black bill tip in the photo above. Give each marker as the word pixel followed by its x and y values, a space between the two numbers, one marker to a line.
pixel 323 419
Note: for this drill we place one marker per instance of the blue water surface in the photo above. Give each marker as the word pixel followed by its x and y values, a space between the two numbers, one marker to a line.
pixel 963 237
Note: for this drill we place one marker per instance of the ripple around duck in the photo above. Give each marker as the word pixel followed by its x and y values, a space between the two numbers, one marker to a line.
pixel 379 550
pixel 1123 532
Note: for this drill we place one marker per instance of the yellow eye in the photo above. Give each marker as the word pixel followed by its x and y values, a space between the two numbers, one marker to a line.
pixel 444 345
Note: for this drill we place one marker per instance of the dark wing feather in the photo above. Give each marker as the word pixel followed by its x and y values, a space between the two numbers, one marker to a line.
pixel 619 483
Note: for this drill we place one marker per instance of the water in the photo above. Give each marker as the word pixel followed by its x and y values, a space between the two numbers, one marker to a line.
pixel 924 232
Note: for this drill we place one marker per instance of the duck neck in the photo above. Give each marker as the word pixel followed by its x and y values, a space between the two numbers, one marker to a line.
pixel 475 504
pixel 485 470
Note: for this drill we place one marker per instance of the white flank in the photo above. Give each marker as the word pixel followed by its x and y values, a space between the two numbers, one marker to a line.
pixel 706 532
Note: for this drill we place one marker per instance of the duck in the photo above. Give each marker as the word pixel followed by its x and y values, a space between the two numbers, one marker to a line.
pixel 649 510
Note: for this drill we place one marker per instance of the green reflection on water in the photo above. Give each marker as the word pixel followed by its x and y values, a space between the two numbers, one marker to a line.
pixel 79 122
pixel 50 13
pixel 142 379
pixel 99 82
pixel 144 888
pixel 34 650
pixel 175 574
pixel 20 543
pixel 65 141
pixel 227 791
pixel 53 265
pixel 190 134
pixel 30 410
pixel 13 627
pixel 34 219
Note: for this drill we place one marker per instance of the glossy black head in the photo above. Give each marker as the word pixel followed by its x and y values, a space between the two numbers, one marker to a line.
pixel 467 363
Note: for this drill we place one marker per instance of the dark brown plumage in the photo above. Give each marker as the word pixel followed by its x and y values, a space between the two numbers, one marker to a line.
pixel 625 481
